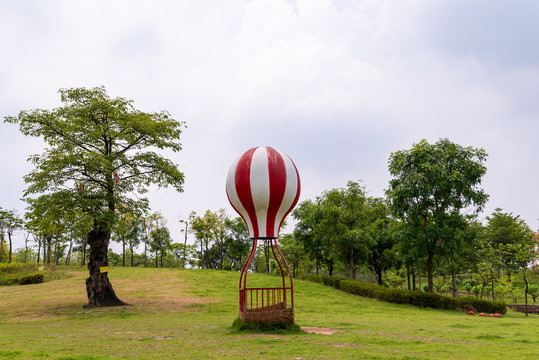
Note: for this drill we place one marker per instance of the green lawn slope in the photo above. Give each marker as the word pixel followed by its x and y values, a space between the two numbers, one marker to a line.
pixel 188 314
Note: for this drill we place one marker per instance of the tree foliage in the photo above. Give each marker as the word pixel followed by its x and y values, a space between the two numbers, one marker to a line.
pixel 431 186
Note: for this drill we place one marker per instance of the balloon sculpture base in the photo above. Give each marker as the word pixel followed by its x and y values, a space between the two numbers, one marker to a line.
pixel 268 304
pixel 272 316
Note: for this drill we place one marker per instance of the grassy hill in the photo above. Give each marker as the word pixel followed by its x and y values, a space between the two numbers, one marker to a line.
pixel 187 314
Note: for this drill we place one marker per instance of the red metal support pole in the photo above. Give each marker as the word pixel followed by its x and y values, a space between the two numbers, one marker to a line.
pixel 243 277
pixel 289 274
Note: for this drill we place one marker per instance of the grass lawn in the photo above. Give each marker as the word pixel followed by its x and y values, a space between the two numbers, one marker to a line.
pixel 188 314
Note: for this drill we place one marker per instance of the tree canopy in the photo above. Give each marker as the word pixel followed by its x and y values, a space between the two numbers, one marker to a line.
pixel 431 186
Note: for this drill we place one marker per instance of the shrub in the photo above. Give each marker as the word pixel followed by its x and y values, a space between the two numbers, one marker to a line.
pixel 21 279
pixel 410 297
pixel 8 279
pixel 481 305
pixel 533 290
pixel 18 267
pixel 35 278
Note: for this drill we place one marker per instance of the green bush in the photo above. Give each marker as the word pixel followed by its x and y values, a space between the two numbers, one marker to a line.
pixel 21 279
pixel 410 297
pixel 481 305
pixel 16 267
pixel 35 278
pixel 9 279
pixel 326 280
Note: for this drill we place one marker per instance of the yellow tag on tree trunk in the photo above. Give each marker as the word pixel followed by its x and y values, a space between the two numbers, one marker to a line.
pixel 104 269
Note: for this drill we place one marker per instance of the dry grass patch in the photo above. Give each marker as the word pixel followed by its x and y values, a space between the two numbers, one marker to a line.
pixel 154 292
pixel 158 292
pixel 318 330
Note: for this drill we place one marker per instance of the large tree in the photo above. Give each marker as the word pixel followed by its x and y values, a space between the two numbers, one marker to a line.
pixel 100 151
pixel 432 185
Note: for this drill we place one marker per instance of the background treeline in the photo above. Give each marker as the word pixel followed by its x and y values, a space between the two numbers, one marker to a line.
pixel 423 235
pixel 343 233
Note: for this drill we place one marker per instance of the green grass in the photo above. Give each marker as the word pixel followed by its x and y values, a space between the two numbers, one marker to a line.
pixel 189 314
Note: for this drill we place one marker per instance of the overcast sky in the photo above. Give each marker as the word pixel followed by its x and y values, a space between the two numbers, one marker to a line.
pixel 336 84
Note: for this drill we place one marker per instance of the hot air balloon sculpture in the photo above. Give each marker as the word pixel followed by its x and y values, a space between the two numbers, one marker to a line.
pixel 263 186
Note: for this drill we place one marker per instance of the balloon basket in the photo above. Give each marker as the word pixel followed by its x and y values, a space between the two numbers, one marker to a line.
pixel 272 316
pixel 267 304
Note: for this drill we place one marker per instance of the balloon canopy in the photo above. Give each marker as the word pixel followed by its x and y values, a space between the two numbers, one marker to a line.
pixel 263 187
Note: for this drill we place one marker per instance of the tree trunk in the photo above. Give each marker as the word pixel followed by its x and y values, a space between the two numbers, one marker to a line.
pixel 492 284
pixel 68 259
pixel 266 253
pixel 352 266
pixel 430 281
pixel 185 245
pixel 379 276
pixel 38 251
pixel 413 279
pixel 83 252
pixel 526 294
pixel 98 286
pixel 49 245
pixel 10 246
pixel 145 251
pixel 2 249
pixel 56 249
pixel 316 265
pixel 123 252
pixel 408 277
pixel 201 255
pixel 455 290
pixel 131 248
pixel 221 250
pixel 330 267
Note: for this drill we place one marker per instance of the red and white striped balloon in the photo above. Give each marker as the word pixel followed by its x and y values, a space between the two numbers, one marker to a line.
pixel 263 187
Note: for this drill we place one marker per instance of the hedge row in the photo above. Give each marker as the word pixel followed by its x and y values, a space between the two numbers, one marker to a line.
pixel 21 279
pixel 410 297
pixel 17 267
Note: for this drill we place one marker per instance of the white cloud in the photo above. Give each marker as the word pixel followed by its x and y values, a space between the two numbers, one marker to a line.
pixel 337 85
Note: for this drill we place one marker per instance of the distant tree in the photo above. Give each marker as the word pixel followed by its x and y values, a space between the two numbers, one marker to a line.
pixel 161 243
pixel 508 233
pixel 135 236
pixel 345 220
pixel 431 186
pixel 209 229
pixel 184 231
pixel 2 237
pixel 237 242
pixel 310 232
pixel 122 229
pixel 533 290
pixel 293 252
pixel 11 222
pixel 381 255
pixel 101 150
pixel 46 217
